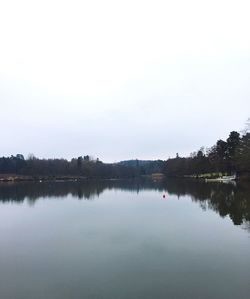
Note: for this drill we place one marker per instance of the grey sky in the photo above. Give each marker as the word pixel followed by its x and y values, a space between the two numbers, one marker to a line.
pixel 122 79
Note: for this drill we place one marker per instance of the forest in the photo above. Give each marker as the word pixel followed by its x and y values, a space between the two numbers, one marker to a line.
pixel 231 156
pixel 81 167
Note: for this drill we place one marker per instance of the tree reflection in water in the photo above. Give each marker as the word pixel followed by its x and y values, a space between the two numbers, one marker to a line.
pixel 224 199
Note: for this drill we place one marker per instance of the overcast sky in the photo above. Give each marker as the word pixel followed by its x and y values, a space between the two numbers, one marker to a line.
pixel 122 79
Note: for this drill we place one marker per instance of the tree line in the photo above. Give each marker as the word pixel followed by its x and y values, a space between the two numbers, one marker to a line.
pixel 83 166
pixel 230 156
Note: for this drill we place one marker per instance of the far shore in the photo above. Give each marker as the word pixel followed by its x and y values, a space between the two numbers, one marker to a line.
pixel 41 178
pixel 21 178
pixel 154 176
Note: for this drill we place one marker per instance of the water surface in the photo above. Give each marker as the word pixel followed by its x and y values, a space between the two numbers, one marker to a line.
pixel 123 239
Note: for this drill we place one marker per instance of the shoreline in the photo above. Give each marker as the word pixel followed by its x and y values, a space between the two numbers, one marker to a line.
pixel 8 178
pixel 37 178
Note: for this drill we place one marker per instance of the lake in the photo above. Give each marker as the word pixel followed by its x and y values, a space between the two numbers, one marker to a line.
pixel 124 239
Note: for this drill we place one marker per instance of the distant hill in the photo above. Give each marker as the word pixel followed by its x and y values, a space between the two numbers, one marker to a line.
pixel 145 166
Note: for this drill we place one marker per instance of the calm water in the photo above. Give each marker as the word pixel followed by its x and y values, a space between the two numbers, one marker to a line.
pixel 122 239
